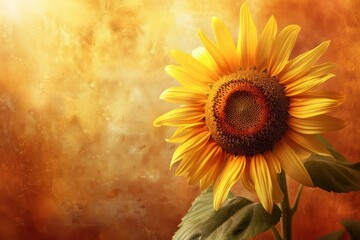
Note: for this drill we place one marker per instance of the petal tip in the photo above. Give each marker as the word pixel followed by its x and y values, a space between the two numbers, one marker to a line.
pixel 156 123
pixel 167 68
pixel 293 28
pixel 163 95
pixel 216 204
pixel 267 207
pixel 297 28
pixel 215 19
pixel 327 42
pixel 244 7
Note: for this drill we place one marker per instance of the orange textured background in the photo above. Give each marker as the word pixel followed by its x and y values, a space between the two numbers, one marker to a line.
pixel 79 87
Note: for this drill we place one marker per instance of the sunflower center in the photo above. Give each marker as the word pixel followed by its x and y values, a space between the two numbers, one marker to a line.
pixel 246 112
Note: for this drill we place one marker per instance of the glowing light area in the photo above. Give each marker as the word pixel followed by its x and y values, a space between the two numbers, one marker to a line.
pixel 10 8
pixel 15 9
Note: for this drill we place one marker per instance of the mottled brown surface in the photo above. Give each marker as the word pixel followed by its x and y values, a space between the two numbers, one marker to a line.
pixel 79 87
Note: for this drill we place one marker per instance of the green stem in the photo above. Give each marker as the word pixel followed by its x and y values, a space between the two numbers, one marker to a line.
pixel 287 214
pixel 297 199
pixel 276 234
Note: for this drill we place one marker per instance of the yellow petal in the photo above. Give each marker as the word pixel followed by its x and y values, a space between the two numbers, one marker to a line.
pixel 187 146
pixel 315 76
pixel 188 78
pixel 322 69
pixel 213 173
pixel 266 42
pixel 247 40
pixel 301 152
pixel 194 64
pixel 298 66
pixel 187 162
pixel 226 44
pixel 213 151
pixel 309 142
pixel 183 95
pixel 272 159
pixel 180 116
pixel 315 125
pixel 274 169
pixel 229 176
pixel 291 163
pixel 319 94
pixel 190 146
pixel 246 178
pixel 205 58
pixel 304 107
pixel 260 174
pixel 186 131
pixel 306 84
pixel 215 53
pixel 283 46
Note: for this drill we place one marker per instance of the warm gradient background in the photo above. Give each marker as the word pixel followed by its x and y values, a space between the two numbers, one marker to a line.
pixel 79 87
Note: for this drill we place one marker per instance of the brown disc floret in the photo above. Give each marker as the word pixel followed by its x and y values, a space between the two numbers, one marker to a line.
pixel 246 112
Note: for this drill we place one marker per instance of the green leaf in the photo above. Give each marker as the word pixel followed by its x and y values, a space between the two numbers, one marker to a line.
pixel 238 218
pixel 353 227
pixel 330 148
pixel 353 230
pixel 334 235
pixel 332 175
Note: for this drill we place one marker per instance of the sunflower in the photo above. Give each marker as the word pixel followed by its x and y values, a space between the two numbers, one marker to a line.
pixel 247 111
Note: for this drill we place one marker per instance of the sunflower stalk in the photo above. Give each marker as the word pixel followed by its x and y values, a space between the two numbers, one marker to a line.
pixel 297 199
pixel 276 233
pixel 287 213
